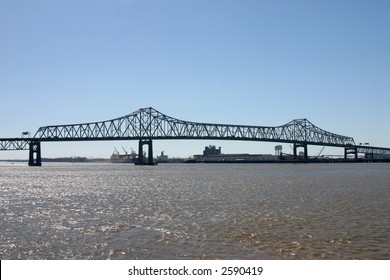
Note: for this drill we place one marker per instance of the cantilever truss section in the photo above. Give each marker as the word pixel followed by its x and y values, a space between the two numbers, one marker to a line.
pixel 148 123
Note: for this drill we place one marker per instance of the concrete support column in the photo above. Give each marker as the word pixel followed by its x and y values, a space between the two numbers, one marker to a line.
pixel 140 152
pixel 150 153
pixel 350 150
pixel 141 160
pixel 295 151
pixel 305 151
pixel 35 154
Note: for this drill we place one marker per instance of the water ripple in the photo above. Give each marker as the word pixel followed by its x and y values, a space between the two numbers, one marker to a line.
pixel 221 211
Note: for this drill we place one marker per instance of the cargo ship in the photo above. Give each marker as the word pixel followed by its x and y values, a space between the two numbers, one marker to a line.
pixel 162 158
pixel 211 154
pixel 116 157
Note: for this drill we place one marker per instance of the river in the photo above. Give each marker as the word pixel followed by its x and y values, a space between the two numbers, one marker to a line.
pixel 195 211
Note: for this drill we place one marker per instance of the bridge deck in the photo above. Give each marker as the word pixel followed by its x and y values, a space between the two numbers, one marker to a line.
pixel 150 124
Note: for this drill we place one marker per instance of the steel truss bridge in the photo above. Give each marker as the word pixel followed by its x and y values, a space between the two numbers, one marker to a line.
pixel 148 124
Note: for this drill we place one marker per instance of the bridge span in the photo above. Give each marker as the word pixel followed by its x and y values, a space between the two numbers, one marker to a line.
pixel 148 124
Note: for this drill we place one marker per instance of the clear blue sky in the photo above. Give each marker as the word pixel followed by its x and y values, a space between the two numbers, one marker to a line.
pixel 240 62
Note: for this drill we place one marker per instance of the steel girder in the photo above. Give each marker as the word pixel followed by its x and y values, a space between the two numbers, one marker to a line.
pixel 371 150
pixel 7 144
pixel 148 123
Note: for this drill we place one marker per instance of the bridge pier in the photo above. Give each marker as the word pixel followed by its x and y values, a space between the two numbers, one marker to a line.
pixel 350 150
pixel 35 154
pixel 300 145
pixel 141 160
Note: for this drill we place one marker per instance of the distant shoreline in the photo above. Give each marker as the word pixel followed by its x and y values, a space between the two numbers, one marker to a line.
pixel 106 160
pixel 65 159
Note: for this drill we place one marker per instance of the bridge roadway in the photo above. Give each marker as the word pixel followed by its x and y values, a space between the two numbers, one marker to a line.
pixel 148 124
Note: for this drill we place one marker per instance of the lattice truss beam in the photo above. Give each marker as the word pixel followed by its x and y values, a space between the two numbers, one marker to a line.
pixel 148 123
pixel 371 150
pixel 14 144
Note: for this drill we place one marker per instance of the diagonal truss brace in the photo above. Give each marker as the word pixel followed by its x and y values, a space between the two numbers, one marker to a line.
pixel 148 123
